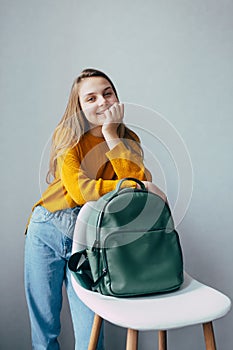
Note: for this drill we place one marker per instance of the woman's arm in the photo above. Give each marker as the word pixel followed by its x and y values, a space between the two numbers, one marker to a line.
pixel 81 188
pixel 126 162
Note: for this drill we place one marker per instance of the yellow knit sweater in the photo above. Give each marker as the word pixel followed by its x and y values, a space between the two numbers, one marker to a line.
pixel 90 170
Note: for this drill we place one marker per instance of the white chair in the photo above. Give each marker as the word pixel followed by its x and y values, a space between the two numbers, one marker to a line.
pixel 194 303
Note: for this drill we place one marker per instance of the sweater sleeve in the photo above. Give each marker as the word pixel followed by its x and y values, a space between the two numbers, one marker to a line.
pixel 78 185
pixel 127 163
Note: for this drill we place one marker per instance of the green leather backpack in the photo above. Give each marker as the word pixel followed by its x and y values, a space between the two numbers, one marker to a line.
pixel 132 246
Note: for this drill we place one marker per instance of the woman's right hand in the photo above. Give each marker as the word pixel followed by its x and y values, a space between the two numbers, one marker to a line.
pixel 114 116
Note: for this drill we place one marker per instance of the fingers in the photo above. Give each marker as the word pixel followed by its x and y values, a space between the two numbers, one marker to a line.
pixel 113 118
pixel 115 113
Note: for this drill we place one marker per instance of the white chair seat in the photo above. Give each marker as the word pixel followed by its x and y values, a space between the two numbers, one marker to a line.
pixel 193 303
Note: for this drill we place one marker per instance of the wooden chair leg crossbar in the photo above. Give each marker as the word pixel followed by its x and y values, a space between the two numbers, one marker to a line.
pixel 132 336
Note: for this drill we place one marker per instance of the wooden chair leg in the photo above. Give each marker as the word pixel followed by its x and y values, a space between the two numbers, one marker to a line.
pixel 162 339
pixel 132 339
pixel 209 336
pixel 95 332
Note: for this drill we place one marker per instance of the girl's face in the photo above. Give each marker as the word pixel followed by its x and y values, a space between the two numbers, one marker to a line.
pixel 95 96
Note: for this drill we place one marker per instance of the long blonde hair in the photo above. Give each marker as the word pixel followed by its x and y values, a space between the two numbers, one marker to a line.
pixel 74 124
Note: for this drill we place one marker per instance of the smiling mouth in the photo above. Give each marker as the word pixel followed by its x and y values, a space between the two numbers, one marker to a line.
pixel 102 112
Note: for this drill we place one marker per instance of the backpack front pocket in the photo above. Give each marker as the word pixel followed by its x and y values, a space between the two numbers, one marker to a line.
pixel 148 262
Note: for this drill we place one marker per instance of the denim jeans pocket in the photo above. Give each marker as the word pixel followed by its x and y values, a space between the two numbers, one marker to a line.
pixel 65 220
pixel 41 214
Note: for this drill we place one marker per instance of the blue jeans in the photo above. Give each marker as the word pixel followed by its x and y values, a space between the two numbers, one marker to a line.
pixel 47 250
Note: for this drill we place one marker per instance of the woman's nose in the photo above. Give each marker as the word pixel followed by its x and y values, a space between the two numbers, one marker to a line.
pixel 102 100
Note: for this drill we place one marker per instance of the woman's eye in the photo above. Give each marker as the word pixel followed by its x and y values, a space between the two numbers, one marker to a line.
pixel 90 99
pixel 108 94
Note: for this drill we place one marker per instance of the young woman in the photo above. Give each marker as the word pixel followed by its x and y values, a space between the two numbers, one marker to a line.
pixel 91 150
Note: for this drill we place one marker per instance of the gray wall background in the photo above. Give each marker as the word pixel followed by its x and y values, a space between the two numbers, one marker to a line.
pixel 171 56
